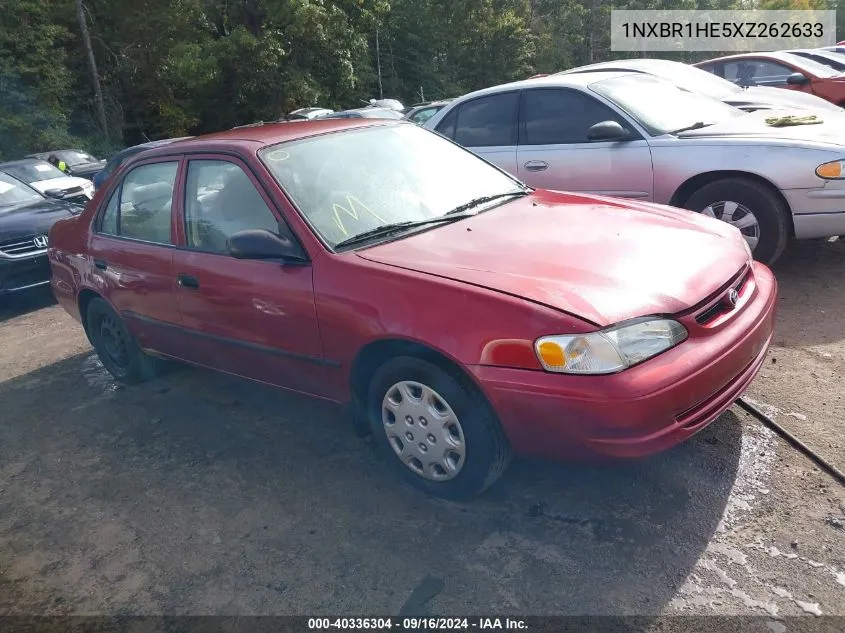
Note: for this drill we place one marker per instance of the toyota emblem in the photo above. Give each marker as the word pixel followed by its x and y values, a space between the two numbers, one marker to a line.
pixel 40 241
pixel 732 297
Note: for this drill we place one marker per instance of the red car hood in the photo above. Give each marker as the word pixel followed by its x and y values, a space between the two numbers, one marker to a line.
pixel 601 259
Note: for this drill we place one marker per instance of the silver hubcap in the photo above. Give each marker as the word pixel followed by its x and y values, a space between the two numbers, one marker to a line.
pixel 423 430
pixel 738 215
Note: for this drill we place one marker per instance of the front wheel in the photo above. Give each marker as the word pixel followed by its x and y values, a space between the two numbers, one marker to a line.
pixel 116 347
pixel 753 208
pixel 436 429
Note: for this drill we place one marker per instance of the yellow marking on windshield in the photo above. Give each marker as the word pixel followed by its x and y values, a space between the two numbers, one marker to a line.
pixel 354 205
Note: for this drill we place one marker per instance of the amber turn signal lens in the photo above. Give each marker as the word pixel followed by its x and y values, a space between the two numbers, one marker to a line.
pixel 552 354
pixel 832 170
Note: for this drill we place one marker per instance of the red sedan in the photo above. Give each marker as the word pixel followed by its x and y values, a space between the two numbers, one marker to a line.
pixel 461 314
pixel 780 70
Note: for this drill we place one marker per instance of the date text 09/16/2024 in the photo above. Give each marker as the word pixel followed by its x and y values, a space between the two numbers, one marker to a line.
pixel 417 624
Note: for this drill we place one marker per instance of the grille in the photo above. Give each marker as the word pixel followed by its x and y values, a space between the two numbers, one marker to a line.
pixel 75 195
pixel 718 308
pixel 21 247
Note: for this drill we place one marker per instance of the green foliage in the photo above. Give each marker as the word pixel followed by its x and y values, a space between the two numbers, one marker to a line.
pixel 176 67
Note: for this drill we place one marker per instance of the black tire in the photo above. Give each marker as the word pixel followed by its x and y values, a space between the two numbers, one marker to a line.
pixel 769 209
pixel 487 452
pixel 116 347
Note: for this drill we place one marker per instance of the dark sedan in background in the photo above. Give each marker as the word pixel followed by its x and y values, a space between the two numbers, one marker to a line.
pixel 26 217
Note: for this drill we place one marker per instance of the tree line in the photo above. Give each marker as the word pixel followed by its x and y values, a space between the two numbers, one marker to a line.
pixel 101 74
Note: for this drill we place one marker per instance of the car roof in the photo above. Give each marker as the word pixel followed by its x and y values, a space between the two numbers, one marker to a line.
pixel 624 64
pixel 784 56
pixel 573 80
pixel 21 161
pixel 256 136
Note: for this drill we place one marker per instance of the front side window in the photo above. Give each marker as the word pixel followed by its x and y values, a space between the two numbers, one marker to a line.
pixel 351 181
pixel 555 117
pixel 140 208
pixel 221 200
pixel 488 121
pixel 752 72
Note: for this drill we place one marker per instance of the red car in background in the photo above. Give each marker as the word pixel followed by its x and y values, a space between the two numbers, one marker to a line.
pixel 461 314
pixel 781 70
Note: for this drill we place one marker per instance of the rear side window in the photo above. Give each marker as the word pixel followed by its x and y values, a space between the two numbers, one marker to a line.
pixel 488 121
pixel 140 208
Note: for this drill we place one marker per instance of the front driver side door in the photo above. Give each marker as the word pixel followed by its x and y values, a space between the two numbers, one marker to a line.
pixel 252 318
pixel 555 153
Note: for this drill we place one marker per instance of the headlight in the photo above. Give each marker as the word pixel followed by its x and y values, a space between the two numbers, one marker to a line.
pixel 834 170
pixel 747 248
pixel 610 350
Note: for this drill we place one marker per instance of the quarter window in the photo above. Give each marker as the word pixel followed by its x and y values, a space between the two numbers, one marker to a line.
pixel 221 200
pixel 140 208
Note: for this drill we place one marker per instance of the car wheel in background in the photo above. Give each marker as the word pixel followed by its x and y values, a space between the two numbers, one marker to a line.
pixel 116 347
pixel 756 210
pixel 436 429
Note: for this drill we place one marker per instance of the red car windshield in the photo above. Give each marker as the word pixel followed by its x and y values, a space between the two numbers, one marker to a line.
pixel 350 182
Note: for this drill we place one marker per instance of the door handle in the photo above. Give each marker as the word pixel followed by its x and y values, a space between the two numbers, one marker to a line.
pixel 101 264
pixel 188 281
pixel 536 165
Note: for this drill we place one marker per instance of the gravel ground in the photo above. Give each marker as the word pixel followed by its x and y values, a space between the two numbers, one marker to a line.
pixel 203 494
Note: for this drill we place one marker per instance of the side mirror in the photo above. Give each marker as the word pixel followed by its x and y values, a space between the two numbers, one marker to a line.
pixel 58 194
pixel 797 79
pixel 607 131
pixel 262 244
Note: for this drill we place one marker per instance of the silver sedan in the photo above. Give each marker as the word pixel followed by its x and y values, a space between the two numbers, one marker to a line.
pixel 637 136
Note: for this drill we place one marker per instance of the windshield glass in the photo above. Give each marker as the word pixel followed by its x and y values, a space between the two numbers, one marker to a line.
pixel 34 171
pixel 811 66
pixel 694 79
pixel 660 106
pixel 75 157
pixel 349 182
pixel 13 192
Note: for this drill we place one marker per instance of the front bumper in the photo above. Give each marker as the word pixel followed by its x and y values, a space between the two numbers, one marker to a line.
pixel 817 212
pixel 23 273
pixel 643 410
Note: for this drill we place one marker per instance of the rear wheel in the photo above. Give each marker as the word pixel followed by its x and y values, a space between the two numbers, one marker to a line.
pixel 115 346
pixel 436 429
pixel 759 214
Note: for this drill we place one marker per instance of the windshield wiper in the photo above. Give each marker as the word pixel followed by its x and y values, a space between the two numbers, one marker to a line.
pixel 695 126
pixel 477 201
pixel 458 213
pixel 387 229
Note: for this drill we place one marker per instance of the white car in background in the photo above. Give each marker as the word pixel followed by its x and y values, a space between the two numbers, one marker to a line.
pixel 44 178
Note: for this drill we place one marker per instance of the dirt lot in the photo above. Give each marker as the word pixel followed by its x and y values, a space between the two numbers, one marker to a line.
pixel 202 494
